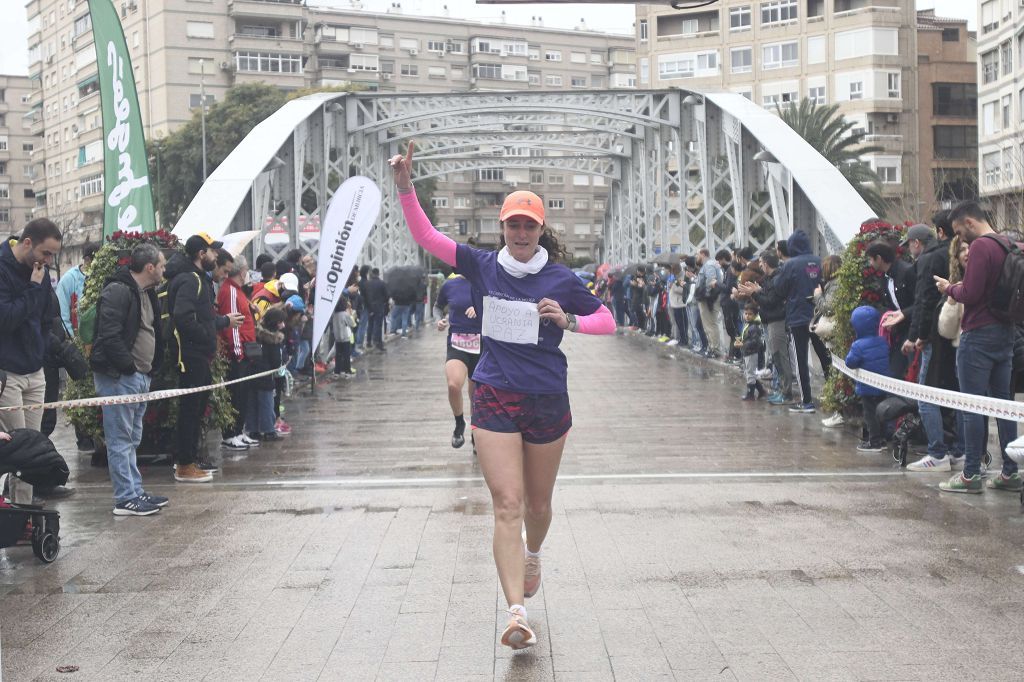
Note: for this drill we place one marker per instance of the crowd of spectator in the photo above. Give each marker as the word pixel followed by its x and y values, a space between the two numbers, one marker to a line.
pixel 933 323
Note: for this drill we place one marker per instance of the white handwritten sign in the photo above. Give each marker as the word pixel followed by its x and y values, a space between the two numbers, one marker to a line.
pixel 511 321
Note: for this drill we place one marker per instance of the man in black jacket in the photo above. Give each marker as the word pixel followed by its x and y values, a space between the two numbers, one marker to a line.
pixel 773 317
pixel 126 352
pixel 377 304
pixel 901 282
pixel 26 312
pixel 191 302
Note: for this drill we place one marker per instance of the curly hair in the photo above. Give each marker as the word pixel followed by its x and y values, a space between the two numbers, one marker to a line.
pixel 956 273
pixel 548 240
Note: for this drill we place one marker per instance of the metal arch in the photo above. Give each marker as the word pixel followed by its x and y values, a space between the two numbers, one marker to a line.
pixel 681 166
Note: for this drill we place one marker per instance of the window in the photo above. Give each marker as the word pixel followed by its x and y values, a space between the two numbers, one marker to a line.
pixel 3 143
pixel 816 49
pixel 777 11
pixel 82 24
pixel 888 169
pixel 552 56
pixel 533 77
pixel 1008 165
pixel 533 53
pixel 193 100
pixel 578 81
pixel 599 204
pixel 597 81
pixel 536 177
pixel 5 215
pixel 955 99
pixel 28 147
pixel 386 40
pixel 780 55
pixel 642 28
pixel 387 66
pixel 553 81
pixel 578 57
pixel 739 18
pixel 991 166
pixel 5 191
pixel 955 142
pixel 893 83
pixel 410 70
pixel 581 228
pixel 90 185
pixel 581 204
pixel 3 168
pixel 1007 112
pixel 259 31
pixel 645 70
pixel 199 29
pixel 463 202
pixel 596 58
pixel 455 46
pixel 556 204
pixel 951 35
pixel 439 202
pixel 816 94
pixel 408 44
pixel 989 119
pixel 487 225
pixel 556 179
pixel 268 62
pixel 741 60
pixel 491 175
pixel 581 180
pixel 463 227
pixel 989 17
pixel 990 66
pixel 437 72
pixel 435 46
pixel 857 90
pixel 865 42
pixel 365 62
pixel 1006 56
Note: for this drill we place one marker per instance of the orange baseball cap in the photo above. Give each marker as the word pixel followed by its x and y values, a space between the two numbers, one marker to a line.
pixel 522 203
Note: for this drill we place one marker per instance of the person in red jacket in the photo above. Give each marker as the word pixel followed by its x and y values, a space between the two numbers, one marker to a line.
pixel 231 299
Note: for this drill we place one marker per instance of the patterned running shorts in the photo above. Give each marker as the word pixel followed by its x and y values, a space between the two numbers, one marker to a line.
pixel 540 418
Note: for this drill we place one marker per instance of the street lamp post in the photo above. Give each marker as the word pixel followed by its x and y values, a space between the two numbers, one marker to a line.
pixel 202 110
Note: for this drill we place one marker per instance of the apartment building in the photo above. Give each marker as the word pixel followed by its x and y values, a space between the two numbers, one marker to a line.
pixel 860 54
pixel 1001 109
pixel 947 87
pixel 16 147
pixel 177 43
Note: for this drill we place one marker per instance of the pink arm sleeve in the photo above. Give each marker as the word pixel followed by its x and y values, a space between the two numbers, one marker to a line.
pixel 435 243
pixel 600 322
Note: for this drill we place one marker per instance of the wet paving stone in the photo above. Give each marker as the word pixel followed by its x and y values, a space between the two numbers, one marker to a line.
pixel 695 537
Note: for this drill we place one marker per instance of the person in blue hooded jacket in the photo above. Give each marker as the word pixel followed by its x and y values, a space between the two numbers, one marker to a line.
pixel 798 277
pixel 869 352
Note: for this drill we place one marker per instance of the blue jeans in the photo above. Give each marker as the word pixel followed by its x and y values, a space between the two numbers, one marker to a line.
pixel 984 366
pixel 364 318
pixel 418 311
pixel 931 415
pixel 400 318
pixel 259 413
pixel 122 429
pixel 301 355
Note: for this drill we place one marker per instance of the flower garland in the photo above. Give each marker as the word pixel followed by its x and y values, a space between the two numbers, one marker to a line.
pixel 857 284
pixel 161 416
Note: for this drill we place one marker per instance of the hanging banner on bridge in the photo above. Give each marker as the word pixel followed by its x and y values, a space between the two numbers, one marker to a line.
pixel 350 217
pixel 127 194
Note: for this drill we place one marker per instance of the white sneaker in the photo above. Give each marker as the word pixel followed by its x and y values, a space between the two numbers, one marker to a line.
pixel 251 442
pixel 956 462
pixel 929 463
pixel 673 342
pixel 833 421
pixel 1015 450
pixel 763 373
pixel 234 444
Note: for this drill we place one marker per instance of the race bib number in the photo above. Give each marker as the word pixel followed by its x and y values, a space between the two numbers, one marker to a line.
pixel 511 321
pixel 467 343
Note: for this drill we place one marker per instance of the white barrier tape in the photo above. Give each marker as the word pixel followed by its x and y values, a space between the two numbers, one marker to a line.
pixel 965 402
pixel 134 398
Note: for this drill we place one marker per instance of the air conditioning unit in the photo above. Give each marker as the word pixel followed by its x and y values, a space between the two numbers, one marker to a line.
pixel 513 183
pixel 357 46
pixel 385 76
pixel 413 52
pixel 892 118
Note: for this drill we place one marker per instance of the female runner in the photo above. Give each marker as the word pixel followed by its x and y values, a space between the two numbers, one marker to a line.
pixel 463 325
pixel 521 411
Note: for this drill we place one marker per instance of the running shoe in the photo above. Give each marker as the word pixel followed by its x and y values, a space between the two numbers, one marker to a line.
pixel 190 473
pixel 207 466
pixel 518 634
pixel 532 582
pixel 802 408
pixel 929 463
pixel 1015 450
pixel 957 461
pixel 868 446
pixel 458 439
pixel 962 484
pixel 833 421
pixel 135 507
pixel 158 500
pixel 234 444
pixel 672 342
pixel 282 427
pixel 1011 483
pixel 250 441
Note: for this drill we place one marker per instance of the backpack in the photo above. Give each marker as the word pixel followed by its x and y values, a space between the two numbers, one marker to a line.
pixel 1007 300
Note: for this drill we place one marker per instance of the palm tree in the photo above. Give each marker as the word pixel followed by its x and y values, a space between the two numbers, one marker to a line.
pixel 825 129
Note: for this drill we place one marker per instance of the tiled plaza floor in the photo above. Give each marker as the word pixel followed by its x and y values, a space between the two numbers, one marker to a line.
pixel 695 537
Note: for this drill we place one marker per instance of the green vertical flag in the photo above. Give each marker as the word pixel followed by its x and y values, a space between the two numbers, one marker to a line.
pixel 128 196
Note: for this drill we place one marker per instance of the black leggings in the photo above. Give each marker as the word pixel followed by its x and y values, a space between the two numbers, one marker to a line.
pixel 679 315
pixel 801 337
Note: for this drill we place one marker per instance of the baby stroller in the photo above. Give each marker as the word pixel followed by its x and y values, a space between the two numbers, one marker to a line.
pixel 30 458
pixel 909 429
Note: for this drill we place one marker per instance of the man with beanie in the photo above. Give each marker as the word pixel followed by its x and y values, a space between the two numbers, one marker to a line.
pixel 191 303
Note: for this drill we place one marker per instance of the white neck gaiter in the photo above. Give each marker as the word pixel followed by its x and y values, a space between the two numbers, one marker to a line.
pixel 520 270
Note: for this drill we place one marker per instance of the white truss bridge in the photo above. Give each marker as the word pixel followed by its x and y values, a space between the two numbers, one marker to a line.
pixel 684 169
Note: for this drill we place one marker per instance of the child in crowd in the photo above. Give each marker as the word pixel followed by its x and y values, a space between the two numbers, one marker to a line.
pixel 749 345
pixel 342 323
pixel 260 416
pixel 869 352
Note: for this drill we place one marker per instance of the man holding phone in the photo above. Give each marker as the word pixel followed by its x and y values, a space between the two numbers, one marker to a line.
pixel 26 312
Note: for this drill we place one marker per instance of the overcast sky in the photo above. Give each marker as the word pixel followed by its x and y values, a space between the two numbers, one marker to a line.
pixel 612 18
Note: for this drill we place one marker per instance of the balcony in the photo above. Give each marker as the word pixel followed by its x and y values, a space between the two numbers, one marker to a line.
pixel 289 10
pixel 877 15
pixel 258 43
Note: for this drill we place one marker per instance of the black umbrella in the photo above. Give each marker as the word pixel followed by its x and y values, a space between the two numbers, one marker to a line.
pixel 404 280
pixel 665 258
